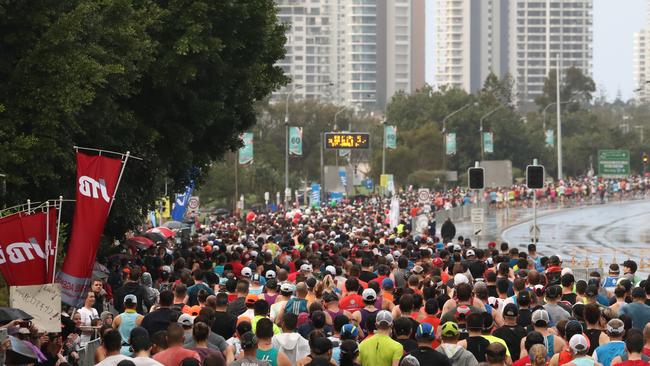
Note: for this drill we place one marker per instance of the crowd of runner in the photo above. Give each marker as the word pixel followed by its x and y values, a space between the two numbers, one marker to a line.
pixel 339 287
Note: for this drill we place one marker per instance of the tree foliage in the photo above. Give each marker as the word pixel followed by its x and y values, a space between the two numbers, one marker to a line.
pixel 174 82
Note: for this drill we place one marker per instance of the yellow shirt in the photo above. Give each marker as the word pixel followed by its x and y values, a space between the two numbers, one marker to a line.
pixel 494 339
pixel 380 350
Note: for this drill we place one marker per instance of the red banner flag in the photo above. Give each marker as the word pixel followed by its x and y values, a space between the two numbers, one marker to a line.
pixel 97 180
pixel 23 247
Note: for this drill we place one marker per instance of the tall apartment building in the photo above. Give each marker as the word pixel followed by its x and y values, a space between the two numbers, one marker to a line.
pixel 516 37
pixel 472 40
pixel 641 64
pixel 353 52
pixel 541 31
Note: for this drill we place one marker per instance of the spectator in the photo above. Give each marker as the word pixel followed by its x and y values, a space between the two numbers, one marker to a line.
pixel 127 321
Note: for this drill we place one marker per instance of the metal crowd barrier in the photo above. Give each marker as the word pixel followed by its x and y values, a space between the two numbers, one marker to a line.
pixel 87 354
pixel 458 214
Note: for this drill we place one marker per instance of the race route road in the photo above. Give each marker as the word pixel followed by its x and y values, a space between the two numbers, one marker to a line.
pixel 592 234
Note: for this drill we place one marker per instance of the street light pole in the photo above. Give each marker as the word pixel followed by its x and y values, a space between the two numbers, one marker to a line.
pixel 383 149
pixel 444 135
pixel 336 128
pixel 559 118
pixel 481 128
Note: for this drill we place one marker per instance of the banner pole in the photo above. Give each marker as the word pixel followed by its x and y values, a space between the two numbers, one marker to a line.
pixel 29 205
pixel 58 229
pixel 119 179
pixel 47 239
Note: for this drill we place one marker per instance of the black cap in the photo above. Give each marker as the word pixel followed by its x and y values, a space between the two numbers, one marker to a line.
pixel 511 310
pixel 321 346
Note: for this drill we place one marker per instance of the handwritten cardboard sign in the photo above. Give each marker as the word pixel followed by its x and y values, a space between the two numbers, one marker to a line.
pixel 43 302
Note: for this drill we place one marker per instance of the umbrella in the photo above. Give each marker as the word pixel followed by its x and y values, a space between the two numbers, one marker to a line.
pixel 141 242
pixel 9 314
pixel 155 237
pixel 166 232
pixel 174 225
pixel 21 352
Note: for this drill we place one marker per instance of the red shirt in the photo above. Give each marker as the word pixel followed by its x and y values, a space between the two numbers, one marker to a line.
pixel 522 361
pixel 174 356
pixel 435 322
pixel 633 363
pixel 378 280
pixel 236 268
pixel 351 303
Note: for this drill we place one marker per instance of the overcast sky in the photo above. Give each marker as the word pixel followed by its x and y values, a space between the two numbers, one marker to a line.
pixel 615 22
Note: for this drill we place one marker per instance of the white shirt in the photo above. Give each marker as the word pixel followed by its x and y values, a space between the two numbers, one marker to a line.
pixel 113 360
pixel 145 361
pixel 87 315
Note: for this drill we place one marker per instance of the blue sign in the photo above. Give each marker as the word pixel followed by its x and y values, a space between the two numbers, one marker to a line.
pixel 315 195
pixel 180 203
pixel 344 177
pixel 336 197
pixel 368 183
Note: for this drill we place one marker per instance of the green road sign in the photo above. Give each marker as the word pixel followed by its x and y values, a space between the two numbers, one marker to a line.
pixel 613 163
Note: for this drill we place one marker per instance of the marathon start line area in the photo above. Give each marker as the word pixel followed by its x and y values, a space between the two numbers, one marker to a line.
pixel 591 236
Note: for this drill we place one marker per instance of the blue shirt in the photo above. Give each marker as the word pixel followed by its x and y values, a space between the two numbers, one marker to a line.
pixel 606 353
pixel 638 312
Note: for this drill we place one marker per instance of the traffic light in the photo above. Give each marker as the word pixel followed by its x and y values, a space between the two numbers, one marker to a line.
pixel 535 176
pixel 645 159
pixel 476 178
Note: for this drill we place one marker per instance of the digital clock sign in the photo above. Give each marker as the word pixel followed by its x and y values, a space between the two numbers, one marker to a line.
pixel 347 140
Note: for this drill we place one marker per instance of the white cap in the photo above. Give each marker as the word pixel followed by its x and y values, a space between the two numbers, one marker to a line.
pixel 331 270
pixel 246 272
pixel 460 278
pixel 306 267
pixel 287 287
pixel 270 274
pixel 578 343
pixel 389 258
pixel 470 253
pixel 186 320
pixel 369 295
pixel 566 270
pixel 396 254
pixel 540 315
pixel 384 317
pixel 457 248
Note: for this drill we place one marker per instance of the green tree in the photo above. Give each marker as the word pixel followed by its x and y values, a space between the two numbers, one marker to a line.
pixel 174 82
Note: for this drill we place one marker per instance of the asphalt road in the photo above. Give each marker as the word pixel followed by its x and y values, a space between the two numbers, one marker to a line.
pixel 598 234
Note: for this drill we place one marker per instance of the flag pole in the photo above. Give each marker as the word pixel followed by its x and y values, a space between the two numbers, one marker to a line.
pixel 58 229
pixel 119 179
pixel 47 239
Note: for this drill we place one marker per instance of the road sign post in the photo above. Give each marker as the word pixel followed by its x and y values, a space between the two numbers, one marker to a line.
pixel 613 163
pixel 477 217
pixel 535 176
